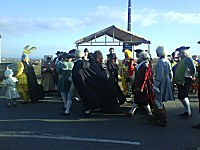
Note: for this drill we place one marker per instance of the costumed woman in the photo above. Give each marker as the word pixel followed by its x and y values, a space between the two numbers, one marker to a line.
pixel 127 73
pixel 27 85
pixel 48 75
pixel 143 85
pixel 162 86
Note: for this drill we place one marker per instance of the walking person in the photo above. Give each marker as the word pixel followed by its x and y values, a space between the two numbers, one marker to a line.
pixel 184 75
pixel 64 70
pixel 142 85
pixel 162 86
pixel 11 91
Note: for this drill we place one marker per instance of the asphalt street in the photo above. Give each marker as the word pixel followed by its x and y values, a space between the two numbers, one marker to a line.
pixel 38 126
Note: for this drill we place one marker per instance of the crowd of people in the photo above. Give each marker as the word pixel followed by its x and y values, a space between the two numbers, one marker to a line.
pixel 82 74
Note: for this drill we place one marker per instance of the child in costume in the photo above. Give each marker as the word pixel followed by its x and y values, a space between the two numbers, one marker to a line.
pixel 11 92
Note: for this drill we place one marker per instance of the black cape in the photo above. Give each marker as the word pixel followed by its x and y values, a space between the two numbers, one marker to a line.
pixel 36 91
pixel 94 87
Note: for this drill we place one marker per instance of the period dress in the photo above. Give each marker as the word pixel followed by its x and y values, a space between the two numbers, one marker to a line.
pixel 11 92
pixel 48 76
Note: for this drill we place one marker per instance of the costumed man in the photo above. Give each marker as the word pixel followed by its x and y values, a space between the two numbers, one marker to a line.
pixel 184 75
pixel 127 73
pixel 162 86
pixel 48 75
pixel 27 85
pixel 89 79
pixel 143 85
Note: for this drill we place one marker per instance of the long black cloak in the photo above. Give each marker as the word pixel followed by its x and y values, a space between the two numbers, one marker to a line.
pixel 94 88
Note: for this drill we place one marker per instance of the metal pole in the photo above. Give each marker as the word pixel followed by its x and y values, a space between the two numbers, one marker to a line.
pixel 129 15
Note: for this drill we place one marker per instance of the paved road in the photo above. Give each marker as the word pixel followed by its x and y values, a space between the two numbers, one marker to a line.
pixel 38 126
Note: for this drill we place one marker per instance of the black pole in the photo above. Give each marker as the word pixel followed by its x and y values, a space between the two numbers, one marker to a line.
pixel 129 15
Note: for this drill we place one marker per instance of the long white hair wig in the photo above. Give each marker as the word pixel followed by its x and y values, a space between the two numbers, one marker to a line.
pixel 161 51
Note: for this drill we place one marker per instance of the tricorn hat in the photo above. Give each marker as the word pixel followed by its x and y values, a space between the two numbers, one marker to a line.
pixel 138 50
pixel 182 48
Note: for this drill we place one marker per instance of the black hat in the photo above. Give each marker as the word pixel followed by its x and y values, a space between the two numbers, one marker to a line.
pixel 198 42
pixel 86 50
pixel 182 48
pixel 58 52
pixel 64 55
pixel 48 57
pixel 138 50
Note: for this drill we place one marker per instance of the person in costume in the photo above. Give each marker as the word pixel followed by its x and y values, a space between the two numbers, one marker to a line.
pixel 48 75
pixel 127 73
pixel 11 91
pixel 162 85
pixel 89 79
pixel 143 85
pixel 64 70
pixel 27 85
pixel 184 75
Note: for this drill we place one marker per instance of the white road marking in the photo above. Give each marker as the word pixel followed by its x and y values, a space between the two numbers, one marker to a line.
pixel 64 137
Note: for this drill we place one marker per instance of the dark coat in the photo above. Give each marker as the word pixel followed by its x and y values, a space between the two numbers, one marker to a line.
pixel 95 90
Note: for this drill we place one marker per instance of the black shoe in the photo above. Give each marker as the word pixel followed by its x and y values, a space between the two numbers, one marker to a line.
pixel 196 126
pixel 181 115
pixel 86 114
pixel 186 115
pixel 64 114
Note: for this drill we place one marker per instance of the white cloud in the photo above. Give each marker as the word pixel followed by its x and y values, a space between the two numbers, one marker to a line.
pixel 20 25
pixel 182 18
pixel 146 17
pixel 103 15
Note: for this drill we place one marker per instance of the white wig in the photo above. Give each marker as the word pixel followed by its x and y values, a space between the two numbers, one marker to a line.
pixel 161 51
pixel 144 56
pixel 8 73
pixel 79 53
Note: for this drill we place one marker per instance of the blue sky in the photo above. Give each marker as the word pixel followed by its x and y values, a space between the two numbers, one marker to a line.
pixel 53 25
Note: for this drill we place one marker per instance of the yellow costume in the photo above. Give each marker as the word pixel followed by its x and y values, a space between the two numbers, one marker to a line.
pixel 22 85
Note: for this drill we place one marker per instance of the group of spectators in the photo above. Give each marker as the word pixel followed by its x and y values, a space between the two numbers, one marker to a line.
pixel 85 75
